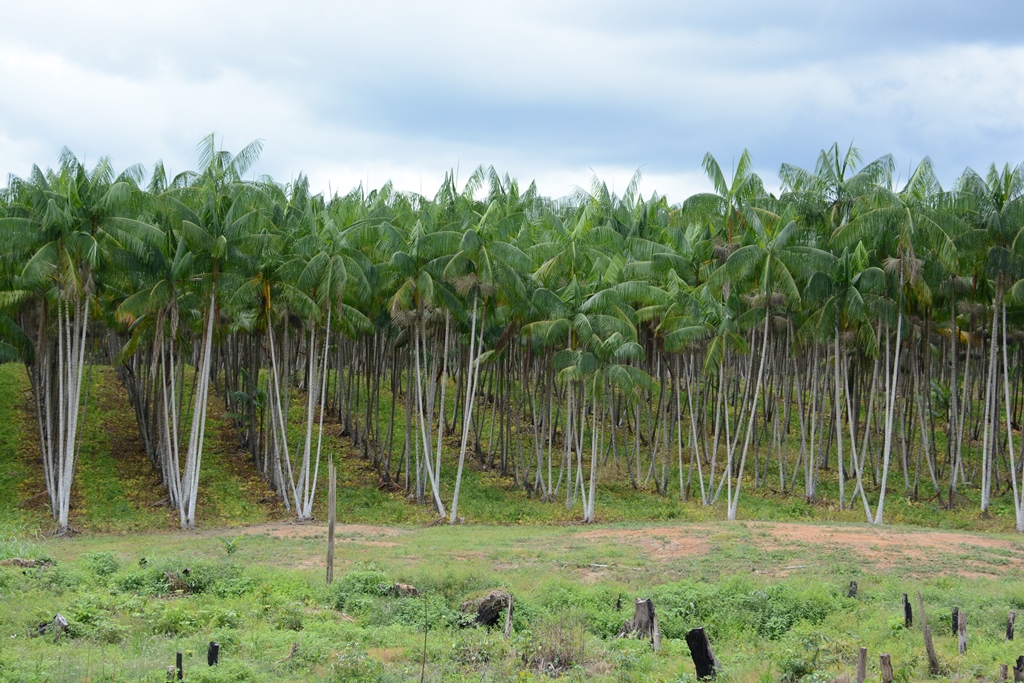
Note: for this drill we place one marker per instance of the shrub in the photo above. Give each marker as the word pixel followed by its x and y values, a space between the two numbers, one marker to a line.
pixel 356 667
pixel 557 644
pixel 102 564
pixel 289 617
pixel 225 672
pixel 358 582
pixel 176 620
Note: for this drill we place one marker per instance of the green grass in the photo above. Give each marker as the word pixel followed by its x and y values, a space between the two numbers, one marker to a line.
pixel 15 468
pixel 763 620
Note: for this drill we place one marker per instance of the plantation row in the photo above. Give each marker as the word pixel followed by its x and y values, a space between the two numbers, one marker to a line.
pixel 843 332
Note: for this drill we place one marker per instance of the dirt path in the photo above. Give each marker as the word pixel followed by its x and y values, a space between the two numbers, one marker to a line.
pixel 925 552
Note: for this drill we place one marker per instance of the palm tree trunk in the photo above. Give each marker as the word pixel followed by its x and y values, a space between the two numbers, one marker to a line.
pixel 734 501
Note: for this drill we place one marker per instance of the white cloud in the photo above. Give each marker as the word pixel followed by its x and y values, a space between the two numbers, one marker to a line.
pixel 547 90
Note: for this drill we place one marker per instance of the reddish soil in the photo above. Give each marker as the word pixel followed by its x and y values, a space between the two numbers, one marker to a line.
pixel 925 551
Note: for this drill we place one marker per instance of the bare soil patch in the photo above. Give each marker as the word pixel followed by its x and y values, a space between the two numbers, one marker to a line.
pixel 342 532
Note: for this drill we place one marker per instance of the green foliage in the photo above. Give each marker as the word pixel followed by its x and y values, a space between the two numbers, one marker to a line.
pixel 227 671
pixel 356 667
pixel 736 605
pixel 230 545
pixel 102 564
pixel 358 583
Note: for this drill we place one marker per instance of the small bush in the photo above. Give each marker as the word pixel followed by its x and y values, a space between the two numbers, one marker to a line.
pixel 176 620
pixel 356 667
pixel 225 672
pixel 477 647
pixel 557 644
pixel 102 564
pixel 289 618
pixel 62 578
pixel 359 582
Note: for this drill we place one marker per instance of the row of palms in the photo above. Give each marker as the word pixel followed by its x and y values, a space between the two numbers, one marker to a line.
pixel 545 338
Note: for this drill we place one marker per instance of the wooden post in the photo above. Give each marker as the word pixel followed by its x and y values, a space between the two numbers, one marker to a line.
pixel 926 631
pixel 332 507
pixel 886 666
pixel 177 663
pixel 655 631
pixel 704 660
pixel 1018 670
pixel 1004 672
pixel 908 613
pixel 1009 625
pixel 213 654
pixel 956 620
pixel 961 632
pixel 852 590
pixel 862 665
pixel 929 647
pixel 508 616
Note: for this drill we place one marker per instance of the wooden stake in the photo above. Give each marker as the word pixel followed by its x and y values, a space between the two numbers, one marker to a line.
pixel 1018 670
pixel 1009 625
pixel 508 616
pixel 926 631
pixel 1003 672
pixel 933 660
pixel 956 620
pixel 961 632
pixel 862 665
pixel 886 666
pixel 177 663
pixel 332 506
pixel 213 654
pixel 852 590
pixel 908 613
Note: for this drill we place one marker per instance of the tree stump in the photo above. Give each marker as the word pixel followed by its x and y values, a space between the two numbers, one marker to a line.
pixel 644 624
pixel 862 665
pixel 704 660
pixel 961 632
pixel 405 590
pixel 489 609
pixel 886 667
pixel 908 613
pixel 1009 625
pixel 851 592
pixel 176 583
pixel 213 654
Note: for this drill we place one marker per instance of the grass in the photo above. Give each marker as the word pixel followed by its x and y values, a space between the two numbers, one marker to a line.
pixel 766 622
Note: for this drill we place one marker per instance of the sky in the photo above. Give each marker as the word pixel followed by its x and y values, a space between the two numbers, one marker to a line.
pixel 556 91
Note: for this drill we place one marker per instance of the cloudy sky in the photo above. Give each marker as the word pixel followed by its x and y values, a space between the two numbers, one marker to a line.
pixel 554 90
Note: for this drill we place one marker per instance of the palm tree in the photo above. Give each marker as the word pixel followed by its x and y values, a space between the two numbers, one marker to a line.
pixel 772 261
pixel 69 227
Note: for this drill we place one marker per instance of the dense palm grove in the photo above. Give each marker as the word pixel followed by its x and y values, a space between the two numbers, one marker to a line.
pixel 851 330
